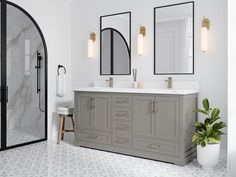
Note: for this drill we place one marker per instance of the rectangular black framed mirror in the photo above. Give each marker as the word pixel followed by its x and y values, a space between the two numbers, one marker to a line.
pixel 115 44
pixel 174 39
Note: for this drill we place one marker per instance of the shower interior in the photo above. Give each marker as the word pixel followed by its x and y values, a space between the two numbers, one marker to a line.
pixel 25 75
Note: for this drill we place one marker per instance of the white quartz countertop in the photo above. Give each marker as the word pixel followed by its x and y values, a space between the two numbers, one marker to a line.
pixel 144 90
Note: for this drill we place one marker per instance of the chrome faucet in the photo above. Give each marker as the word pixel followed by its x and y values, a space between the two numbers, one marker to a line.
pixel 110 81
pixel 169 82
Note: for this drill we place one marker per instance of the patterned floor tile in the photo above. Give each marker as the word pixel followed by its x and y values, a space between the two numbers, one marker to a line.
pixel 48 159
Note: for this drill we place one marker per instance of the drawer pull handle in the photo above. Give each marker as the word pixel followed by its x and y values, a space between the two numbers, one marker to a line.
pixel 121 141
pixel 92 137
pixel 93 103
pixel 122 127
pixel 151 146
pixel 121 114
pixel 152 106
pixel 121 101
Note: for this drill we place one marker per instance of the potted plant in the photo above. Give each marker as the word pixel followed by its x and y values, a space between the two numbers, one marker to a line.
pixel 208 135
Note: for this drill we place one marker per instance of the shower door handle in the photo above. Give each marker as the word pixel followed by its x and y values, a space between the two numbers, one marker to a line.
pixel 38 66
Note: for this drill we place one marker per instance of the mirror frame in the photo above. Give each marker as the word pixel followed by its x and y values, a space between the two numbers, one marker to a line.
pixel 127 42
pixel 155 72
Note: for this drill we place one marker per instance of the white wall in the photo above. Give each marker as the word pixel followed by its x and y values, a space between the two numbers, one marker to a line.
pixel 53 17
pixel 232 89
pixel 210 67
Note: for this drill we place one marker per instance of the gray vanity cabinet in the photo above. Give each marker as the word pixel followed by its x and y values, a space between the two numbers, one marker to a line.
pixel 84 102
pixel 156 117
pixel 154 126
pixel 167 111
pixel 143 116
pixel 94 112
pixel 101 112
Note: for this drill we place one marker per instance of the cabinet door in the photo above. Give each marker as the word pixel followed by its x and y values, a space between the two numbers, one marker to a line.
pixel 84 113
pixel 101 112
pixel 167 118
pixel 143 116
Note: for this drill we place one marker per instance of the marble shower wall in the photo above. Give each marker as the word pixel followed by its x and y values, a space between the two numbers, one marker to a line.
pixel 24 103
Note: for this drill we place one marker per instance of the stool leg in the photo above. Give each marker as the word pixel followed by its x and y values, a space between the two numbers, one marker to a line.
pixel 73 123
pixel 60 130
pixel 63 128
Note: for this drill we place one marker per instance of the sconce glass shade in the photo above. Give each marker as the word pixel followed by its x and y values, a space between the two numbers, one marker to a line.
pixel 204 39
pixel 90 48
pixel 140 44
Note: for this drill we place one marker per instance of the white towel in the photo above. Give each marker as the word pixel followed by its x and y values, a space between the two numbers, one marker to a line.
pixel 65 110
pixel 61 85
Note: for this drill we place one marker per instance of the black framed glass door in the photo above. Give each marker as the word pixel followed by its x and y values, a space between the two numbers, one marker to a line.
pixel 23 78
pixel 2 136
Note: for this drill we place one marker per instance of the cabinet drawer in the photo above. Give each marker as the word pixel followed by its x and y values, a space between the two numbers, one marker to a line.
pixel 156 146
pixel 121 127
pixel 121 100
pixel 104 139
pixel 121 141
pixel 121 114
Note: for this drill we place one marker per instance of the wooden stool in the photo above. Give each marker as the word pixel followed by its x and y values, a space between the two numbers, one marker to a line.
pixel 62 129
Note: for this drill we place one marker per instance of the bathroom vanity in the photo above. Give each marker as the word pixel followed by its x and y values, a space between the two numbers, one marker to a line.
pixel 150 123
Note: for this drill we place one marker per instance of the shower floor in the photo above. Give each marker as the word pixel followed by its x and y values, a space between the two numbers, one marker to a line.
pixel 24 135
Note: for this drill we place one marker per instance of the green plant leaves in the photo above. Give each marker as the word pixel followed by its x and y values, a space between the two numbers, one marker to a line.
pixel 209 131
pixel 206 137
pixel 215 114
pixel 214 140
pixel 207 121
pixel 203 144
pixel 201 111
pixel 205 104
pixel 195 137
pixel 218 126
pixel 200 127
pixel 206 141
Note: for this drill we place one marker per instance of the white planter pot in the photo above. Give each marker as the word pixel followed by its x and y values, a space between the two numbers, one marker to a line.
pixel 208 157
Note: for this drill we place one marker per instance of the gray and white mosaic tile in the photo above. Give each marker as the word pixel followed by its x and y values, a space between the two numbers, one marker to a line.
pixel 48 159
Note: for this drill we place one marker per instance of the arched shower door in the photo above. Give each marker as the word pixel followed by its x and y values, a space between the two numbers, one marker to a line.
pixel 23 78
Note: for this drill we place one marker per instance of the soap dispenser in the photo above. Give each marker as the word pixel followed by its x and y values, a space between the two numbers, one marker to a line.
pixel 134 83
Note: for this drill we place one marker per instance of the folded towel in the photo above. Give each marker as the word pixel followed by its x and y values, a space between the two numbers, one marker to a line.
pixel 61 85
pixel 65 110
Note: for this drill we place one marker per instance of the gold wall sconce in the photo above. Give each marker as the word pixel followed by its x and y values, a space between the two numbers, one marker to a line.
pixel 204 34
pixel 141 35
pixel 92 39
